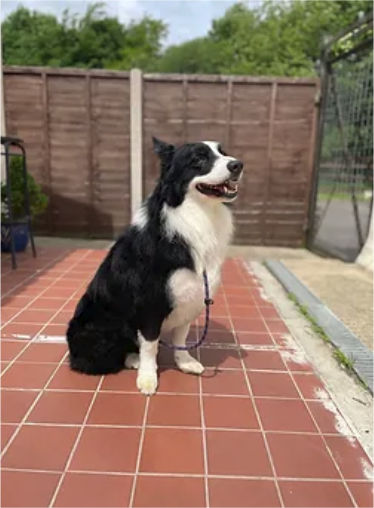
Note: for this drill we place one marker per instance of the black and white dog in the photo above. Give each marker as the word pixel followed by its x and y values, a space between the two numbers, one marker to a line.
pixel 151 281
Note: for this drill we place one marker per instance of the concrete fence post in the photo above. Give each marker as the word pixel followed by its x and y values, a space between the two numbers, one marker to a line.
pixel 2 165
pixel 365 258
pixel 136 138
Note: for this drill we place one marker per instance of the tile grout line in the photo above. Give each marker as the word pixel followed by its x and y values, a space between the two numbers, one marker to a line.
pixel 53 280
pixel 49 281
pixel 168 427
pixel 40 295
pixel 56 339
pixel 321 435
pixel 140 450
pixel 204 439
pixel 26 261
pixel 188 394
pixel 76 442
pixel 205 475
pixel 28 412
pixel 129 392
pixel 37 398
pixel 226 346
pixel 207 369
pixel 267 447
pixel 51 298
pixel 353 431
pixel 31 341
pixel 54 260
pixel 189 475
pixel 37 310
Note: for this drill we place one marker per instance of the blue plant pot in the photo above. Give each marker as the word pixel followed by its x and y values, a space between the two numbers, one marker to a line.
pixel 21 237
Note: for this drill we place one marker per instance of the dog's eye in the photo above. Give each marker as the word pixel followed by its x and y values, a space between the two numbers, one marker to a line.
pixel 221 151
pixel 202 155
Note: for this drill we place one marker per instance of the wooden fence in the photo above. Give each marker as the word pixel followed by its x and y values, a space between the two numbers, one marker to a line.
pixel 77 129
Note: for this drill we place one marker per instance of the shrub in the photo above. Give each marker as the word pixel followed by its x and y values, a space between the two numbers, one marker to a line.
pixel 38 200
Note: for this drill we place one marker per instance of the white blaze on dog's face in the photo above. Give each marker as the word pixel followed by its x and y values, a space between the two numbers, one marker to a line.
pixel 223 176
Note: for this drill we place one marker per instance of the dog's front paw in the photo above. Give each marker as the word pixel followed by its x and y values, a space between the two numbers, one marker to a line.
pixel 147 382
pixel 190 366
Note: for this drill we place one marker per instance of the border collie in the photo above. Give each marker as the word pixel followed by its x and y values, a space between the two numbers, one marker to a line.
pixel 151 282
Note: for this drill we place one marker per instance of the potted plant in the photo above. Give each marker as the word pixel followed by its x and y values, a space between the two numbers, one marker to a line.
pixel 38 203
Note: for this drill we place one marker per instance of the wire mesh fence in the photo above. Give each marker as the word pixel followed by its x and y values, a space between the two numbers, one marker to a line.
pixel 344 163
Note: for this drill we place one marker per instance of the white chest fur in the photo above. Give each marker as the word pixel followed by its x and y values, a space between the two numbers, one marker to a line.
pixel 207 229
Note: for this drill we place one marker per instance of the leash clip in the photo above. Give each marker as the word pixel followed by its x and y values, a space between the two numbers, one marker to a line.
pixel 208 301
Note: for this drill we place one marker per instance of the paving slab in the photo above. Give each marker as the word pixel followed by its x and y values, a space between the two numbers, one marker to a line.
pixel 346 288
pixel 260 427
pixel 341 337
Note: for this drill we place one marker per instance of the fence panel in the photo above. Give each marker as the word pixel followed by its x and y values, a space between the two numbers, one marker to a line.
pixel 268 123
pixel 76 125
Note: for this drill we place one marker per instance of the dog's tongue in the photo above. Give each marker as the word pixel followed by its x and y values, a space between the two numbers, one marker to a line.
pixel 227 185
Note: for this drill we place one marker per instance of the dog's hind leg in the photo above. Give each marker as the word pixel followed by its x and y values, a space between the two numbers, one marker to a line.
pixel 183 359
pixel 132 361
pixel 93 352
pixel 99 347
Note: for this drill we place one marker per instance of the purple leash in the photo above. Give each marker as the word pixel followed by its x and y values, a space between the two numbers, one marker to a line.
pixel 207 301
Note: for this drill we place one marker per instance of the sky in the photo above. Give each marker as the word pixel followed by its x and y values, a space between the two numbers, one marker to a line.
pixel 186 19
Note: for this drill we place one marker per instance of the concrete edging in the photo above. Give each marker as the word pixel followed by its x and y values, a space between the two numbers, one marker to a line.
pixel 341 337
pixel 136 139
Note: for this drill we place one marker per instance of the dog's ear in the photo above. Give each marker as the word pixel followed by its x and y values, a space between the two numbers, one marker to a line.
pixel 160 146
pixel 165 151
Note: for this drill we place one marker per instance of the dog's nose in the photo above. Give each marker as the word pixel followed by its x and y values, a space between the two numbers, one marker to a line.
pixel 235 167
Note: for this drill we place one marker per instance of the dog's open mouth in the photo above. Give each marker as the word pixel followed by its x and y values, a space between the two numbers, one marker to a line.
pixel 227 189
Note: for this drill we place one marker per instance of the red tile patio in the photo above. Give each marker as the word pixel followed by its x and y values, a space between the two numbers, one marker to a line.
pixel 257 429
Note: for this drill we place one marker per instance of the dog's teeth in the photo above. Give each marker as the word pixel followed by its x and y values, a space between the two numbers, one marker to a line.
pixel 233 186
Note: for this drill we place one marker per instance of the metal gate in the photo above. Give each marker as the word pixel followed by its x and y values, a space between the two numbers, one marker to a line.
pixel 343 184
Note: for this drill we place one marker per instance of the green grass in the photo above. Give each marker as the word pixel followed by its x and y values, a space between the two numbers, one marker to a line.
pixel 340 357
pixel 343 360
pixel 313 323
pixel 341 196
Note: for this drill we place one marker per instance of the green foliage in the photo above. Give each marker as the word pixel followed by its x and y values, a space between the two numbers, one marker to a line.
pixel 142 45
pixel 317 329
pixel 281 38
pixel 190 57
pixel 93 41
pixel 38 200
pixel 344 361
pixel 278 38
pixel 31 38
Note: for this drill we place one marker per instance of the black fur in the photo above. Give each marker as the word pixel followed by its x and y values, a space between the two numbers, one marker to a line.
pixel 128 292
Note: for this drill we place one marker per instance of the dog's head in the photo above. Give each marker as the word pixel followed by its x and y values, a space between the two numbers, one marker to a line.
pixel 202 170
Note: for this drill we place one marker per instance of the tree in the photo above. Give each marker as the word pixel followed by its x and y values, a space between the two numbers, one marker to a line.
pixel 278 38
pixel 142 45
pixel 31 38
pixel 191 57
pixel 281 38
pixel 92 41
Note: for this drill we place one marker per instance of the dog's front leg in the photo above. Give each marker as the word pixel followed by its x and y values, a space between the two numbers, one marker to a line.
pixel 183 359
pixel 146 380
